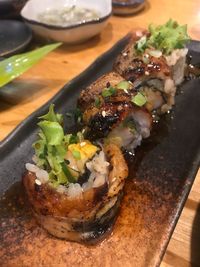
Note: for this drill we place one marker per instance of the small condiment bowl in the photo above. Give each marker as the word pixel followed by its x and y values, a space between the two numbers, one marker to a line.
pixel 75 33
pixel 127 7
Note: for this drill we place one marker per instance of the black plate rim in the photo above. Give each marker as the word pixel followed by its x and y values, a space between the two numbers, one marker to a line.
pixel 21 46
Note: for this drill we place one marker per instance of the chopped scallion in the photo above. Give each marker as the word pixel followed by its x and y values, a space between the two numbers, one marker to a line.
pixel 97 102
pixel 124 85
pixel 108 91
pixel 139 99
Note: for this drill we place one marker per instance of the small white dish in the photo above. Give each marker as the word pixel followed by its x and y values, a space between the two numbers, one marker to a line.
pixel 75 33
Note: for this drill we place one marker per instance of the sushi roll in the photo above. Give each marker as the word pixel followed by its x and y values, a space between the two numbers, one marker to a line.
pixel 155 63
pixel 114 111
pixel 74 186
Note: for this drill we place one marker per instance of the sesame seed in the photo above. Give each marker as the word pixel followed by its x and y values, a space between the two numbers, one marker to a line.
pixel 82 144
pixel 126 91
pixel 124 54
pixel 103 113
pixel 139 33
pixel 38 182
pixel 146 73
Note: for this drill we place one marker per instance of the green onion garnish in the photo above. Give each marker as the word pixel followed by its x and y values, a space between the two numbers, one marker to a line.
pixel 108 91
pixel 139 99
pixel 124 85
pixel 141 44
pixel 97 102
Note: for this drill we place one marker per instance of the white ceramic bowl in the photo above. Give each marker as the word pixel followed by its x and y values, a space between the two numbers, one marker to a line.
pixel 68 34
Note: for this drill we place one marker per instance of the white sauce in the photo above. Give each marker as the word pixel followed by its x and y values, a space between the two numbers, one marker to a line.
pixel 68 16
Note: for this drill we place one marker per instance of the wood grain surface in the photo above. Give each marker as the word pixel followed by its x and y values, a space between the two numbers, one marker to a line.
pixel 40 83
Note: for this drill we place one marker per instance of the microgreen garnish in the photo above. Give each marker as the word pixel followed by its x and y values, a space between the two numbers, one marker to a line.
pixel 165 38
pixel 51 147
pixel 141 44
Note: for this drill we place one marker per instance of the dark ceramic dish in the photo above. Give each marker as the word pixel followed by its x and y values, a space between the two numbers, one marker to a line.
pixel 161 176
pixel 127 7
pixel 14 37
pixel 11 8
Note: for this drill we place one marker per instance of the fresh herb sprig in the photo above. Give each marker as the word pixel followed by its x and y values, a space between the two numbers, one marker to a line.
pixel 51 147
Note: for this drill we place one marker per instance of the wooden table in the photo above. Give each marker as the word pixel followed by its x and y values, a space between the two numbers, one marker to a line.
pixel 40 83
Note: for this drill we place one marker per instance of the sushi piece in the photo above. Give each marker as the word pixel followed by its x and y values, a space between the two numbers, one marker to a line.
pixel 113 109
pixel 155 63
pixel 74 186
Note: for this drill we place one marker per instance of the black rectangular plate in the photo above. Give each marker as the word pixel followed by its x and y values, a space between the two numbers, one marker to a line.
pixel 161 176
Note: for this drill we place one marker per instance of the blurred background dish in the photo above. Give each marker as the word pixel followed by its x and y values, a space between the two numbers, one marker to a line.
pixel 51 19
pixel 14 37
pixel 11 8
pixel 127 7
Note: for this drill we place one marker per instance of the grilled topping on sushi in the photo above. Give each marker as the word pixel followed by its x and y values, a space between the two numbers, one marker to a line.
pixel 74 186
pixel 156 60
pixel 88 96
pixel 120 114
